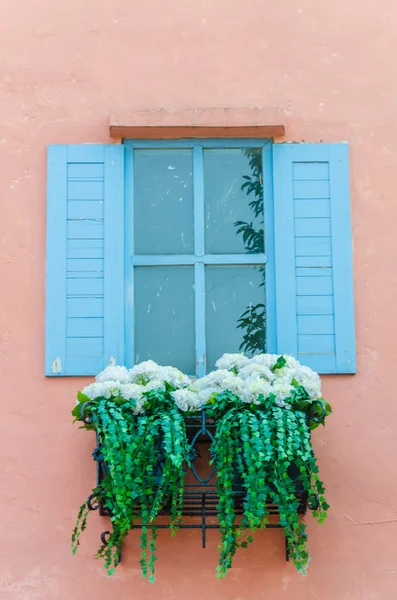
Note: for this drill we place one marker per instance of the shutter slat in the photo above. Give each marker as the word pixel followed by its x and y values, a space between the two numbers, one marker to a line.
pixel 84 286
pixel 85 209
pixel 311 227
pixel 84 327
pixel 311 189
pixel 85 190
pixel 313 286
pixel 317 208
pixel 314 305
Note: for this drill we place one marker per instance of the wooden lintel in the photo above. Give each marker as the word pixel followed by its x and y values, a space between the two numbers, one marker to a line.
pixel 198 123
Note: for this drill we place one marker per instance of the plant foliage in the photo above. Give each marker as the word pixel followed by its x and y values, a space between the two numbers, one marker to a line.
pixel 263 408
pixel 144 458
pixel 268 451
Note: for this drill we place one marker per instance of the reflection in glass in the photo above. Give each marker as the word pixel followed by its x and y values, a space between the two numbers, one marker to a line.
pixel 163 201
pixel 250 230
pixel 233 198
pixel 164 316
pixel 235 311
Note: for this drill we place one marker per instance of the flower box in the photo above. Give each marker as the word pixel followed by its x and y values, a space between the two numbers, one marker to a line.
pixel 236 459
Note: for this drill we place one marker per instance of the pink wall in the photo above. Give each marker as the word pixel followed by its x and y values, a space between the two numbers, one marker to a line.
pixel 64 65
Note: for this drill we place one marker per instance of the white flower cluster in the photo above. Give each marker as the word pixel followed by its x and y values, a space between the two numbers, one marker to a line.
pixel 131 384
pixel 251 379
pixel 255 379
pixel 187 400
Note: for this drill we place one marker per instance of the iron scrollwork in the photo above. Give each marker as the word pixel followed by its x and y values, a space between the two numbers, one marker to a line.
pixel 85 414
pixel 316 412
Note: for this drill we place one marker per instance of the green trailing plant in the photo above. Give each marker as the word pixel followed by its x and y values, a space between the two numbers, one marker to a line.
pixel 144 459
pixel 267 450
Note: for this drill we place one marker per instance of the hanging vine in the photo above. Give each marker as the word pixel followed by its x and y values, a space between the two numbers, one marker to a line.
pixel 145 458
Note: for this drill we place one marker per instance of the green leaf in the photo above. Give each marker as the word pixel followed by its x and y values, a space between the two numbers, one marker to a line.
pixel 76 412
pixel 82 397
pixel 279 364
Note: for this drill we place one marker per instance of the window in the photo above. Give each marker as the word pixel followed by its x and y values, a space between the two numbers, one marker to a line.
pixel 195 249
pixel 182 250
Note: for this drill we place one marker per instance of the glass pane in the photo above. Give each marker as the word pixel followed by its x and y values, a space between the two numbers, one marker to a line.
pixel 163 201
pixel 235 311
pixel 233 196
pixel 164 316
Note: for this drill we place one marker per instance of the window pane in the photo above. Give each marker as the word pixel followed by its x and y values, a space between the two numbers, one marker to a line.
pixel 164 316
pixel 233 196
pixel 163 201
pixel 235 311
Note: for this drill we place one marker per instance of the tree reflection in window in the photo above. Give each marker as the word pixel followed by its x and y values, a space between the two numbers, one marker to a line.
pixel 253 319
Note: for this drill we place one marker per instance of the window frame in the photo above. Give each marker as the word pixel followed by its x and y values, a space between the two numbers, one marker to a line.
pixel 268 258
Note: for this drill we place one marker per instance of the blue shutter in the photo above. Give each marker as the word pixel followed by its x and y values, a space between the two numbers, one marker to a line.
pixel 85 259
pixel 313 254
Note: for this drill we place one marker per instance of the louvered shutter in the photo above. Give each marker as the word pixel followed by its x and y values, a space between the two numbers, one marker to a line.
pixel 85 259
pixel 313 256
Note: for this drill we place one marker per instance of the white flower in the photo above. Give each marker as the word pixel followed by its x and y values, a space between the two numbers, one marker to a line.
pixel 292 363
pixel 254 388
pixel 155 384
pixel 111 388
pixel 219 381
pixel 144 372
pixel 284 376
pixel 90 391
pixel 216 383
pixel 112 373
pixel 282 404
pixel 131 390
pixel 309 380
pixel 282 390
pixel 187 400
pixel 139 404
pixel 256 370
pixel 107 389
pixel 232 361
pixel 205 394
pixel 174 377
pixel 233 383
pixel 148 371
pixel 215 378
pixel 266 360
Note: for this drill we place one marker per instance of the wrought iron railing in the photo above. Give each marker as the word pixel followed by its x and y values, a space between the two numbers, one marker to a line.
pixel 200 496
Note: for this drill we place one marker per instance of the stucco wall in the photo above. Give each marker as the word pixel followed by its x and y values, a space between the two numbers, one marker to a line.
pixel 63 65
